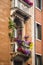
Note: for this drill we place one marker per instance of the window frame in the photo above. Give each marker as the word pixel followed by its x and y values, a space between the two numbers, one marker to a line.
pixel 38 57
pixel 13 47
pixel 37 32
pixel 37 6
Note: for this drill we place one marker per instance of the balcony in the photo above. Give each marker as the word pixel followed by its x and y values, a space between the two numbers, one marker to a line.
pixel 27 3
pixel 23 53
pixel 20 14
pixel 19 55
pixel 19 3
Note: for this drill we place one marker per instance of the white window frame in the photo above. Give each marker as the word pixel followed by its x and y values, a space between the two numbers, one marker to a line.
pixel 14 43
pixel 15 35
pixel 16 46
pixel 37 7
pixel 38 54
pixel 16 2
pixel 37 31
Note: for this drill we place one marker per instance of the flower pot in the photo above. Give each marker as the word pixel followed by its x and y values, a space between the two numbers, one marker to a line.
pixel 27 52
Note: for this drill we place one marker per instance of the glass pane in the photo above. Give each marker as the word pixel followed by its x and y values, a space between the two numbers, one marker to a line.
pixel 39 31
pixel 38 60
pixel 15 33
pixel 38 3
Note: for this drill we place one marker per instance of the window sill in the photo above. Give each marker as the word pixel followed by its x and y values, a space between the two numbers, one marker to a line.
pixel 38 40
pixel 38 8
pixel 38 54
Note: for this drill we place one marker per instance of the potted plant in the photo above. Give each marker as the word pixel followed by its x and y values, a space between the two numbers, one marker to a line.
pixel 12 27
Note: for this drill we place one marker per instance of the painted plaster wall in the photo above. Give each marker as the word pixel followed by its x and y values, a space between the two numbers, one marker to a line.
pixel 4 39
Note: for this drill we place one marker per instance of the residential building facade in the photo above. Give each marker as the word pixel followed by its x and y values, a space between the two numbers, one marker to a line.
pixel 18 11
pixel 4 38
pixel 28 18
pixel 39 34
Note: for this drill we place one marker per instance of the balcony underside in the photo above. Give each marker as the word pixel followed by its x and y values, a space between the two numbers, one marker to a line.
pixel 21 14
pixel 20 57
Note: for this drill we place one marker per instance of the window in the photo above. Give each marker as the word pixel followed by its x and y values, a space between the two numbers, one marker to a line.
pixel 15 3
pixel 38 3
pixel 18 31
pixel 38 31
pixel 14 47
pixel 38 60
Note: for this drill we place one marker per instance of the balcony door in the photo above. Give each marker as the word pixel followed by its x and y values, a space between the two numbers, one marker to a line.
pixel 18 31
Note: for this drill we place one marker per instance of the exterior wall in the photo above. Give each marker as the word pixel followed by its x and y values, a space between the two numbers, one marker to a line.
pixel 42 29
pixel 29 30
pixel 39 43
pixel 38 20
pixel 42 36
pixel 38 15
pixel 4 39
pixel 38 47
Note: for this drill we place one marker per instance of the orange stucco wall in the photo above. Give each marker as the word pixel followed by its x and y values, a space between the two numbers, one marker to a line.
pixel 4 39
pixel 28 32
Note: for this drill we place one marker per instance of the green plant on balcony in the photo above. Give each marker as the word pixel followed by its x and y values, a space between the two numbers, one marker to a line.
pixel 24 49
pixel 11 35
pixel 11 27
pixel 24 46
